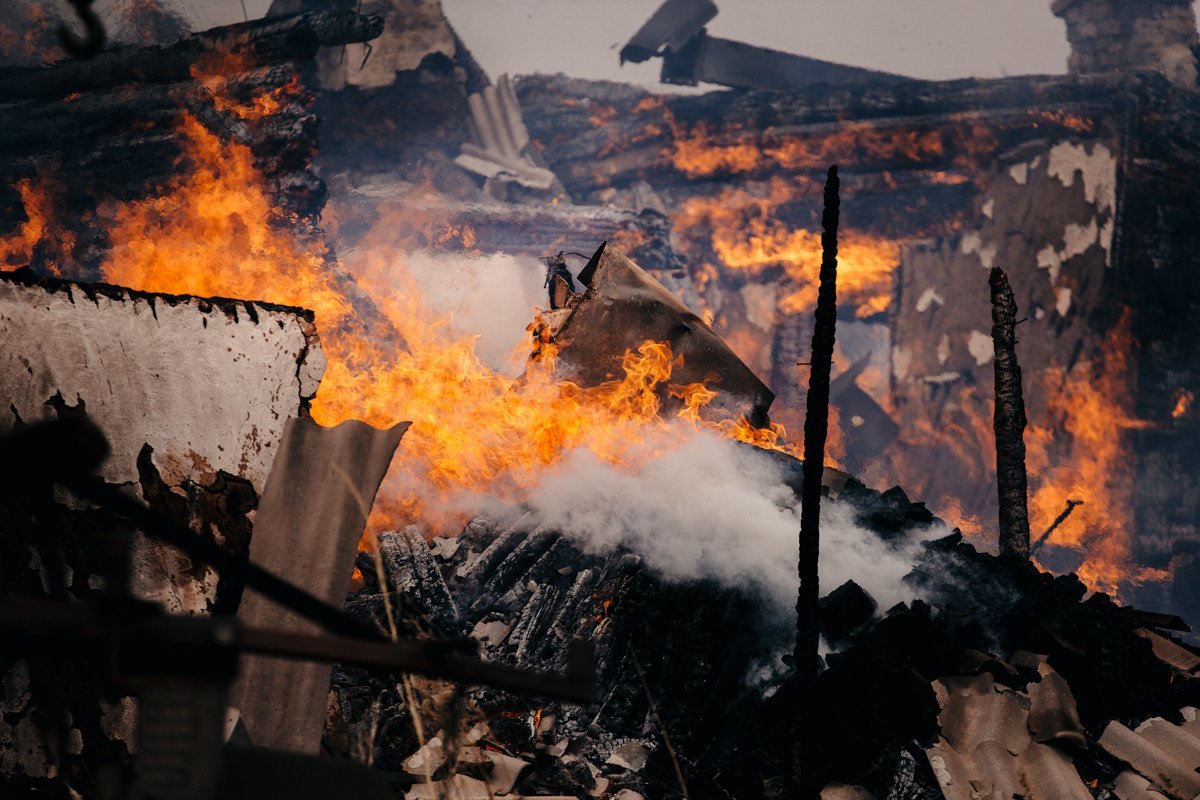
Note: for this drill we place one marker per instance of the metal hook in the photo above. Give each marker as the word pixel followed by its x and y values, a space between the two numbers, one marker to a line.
pixel 93 43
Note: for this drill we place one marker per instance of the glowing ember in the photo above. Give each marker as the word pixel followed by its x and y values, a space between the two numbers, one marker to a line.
pixel 17 248
pixel 1183 403
pixel 699 153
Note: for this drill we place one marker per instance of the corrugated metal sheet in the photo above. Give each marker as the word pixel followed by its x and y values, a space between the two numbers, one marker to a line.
pixel 1131 786
pixel 308 524
pixel 1170 652
pixel 1165 754
pixel 501 140
pixel 991 743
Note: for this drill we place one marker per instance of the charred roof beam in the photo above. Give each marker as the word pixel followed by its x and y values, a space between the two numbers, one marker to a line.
pixel 676 32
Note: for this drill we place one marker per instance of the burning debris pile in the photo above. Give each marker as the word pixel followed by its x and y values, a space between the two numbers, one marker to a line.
pixel 995 678
pixel 1063 180
pixel 624 480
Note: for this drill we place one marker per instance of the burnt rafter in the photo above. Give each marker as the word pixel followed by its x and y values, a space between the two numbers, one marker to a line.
pixel 1009 421
pixel 816 428
pixel 676 33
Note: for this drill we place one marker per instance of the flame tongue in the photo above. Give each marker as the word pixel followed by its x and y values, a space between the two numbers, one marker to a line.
pixel 212 232
pixel 744 231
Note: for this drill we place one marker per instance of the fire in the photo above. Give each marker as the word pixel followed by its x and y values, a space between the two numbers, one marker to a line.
pixel 698 153
pixel 211 72
pixel 212 232
pixel 743 229
pixel 1084 430
pixel 34 235
pixel 1183 403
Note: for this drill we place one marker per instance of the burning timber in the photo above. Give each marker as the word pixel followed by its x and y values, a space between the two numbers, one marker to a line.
pixel 992 678
pixel 1074 183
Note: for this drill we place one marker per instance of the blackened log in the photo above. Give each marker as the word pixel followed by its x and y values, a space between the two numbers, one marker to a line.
pixel 816 428
pixel 1009 420
pixel 256 43
pixel 709 59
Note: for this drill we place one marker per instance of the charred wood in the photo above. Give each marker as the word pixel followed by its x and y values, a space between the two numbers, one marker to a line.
pixel 710 59
pixel 1059 520
pixel 816 428
pixel 254 43
pixel 1009 421
pixel 411 570
pixel 668 29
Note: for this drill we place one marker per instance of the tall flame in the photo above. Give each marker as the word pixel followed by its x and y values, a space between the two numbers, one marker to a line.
pixel 1084 430
pixel 214 231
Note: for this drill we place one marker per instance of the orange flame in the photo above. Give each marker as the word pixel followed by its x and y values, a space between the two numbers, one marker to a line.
pixel 1183 403
pixel 1083 430
pixel 697 152
pixel 744 232
pixel 211 232
pixel 36 235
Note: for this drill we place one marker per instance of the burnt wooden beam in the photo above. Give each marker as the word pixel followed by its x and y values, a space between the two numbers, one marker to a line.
pixel 255 43
pixel 1009 420
pixel 816 428
pixel 669 29
pixel 1059 520
pixel 710 59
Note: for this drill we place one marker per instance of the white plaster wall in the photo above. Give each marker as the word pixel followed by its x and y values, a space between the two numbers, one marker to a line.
pixel 204 383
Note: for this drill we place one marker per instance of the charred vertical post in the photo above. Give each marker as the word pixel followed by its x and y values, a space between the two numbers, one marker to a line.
pixel 1009 420
pixel 816 427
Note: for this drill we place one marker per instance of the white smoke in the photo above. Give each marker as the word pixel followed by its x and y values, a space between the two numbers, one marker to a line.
pixel 714 509
pixel 490 297
pixel 707 508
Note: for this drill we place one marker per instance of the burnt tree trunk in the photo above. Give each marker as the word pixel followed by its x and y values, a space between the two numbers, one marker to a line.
pixel 816 427
pixel 1009 420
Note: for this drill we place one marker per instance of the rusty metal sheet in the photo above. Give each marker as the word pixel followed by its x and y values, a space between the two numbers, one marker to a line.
pixel 307 529
pixel 623 307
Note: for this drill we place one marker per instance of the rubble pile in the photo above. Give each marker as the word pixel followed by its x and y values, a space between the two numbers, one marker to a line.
pixel 1002 673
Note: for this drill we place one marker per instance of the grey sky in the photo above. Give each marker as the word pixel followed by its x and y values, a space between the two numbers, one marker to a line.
pixel 923 38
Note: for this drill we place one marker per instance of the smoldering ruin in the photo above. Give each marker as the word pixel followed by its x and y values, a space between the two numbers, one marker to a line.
pixel 374 425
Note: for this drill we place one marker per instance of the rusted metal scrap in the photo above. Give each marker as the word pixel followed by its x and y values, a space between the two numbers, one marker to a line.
pixel 1009 421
